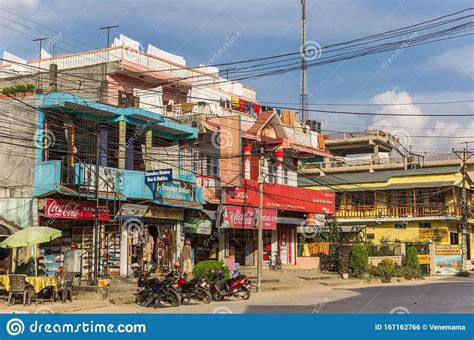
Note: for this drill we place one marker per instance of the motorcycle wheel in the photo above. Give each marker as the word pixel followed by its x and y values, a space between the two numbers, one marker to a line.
pixel 142 299
pixel 216 296
pixel 203 295
pixel 173 299
pixel 245 295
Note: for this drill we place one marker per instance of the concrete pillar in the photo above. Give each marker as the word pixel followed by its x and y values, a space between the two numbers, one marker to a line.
pixel 247 151
pixel 432 249
pixel 124 250
pixel 221 238
pixel 403 249
pixel 148 146
pixel 279 156
pixel 376 153
pixel 122 144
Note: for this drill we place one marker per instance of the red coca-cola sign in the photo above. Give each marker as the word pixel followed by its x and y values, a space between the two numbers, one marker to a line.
pixel 74 210
pixel 246 218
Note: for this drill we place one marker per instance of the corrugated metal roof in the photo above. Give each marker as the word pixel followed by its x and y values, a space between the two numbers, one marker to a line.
pixel 370 177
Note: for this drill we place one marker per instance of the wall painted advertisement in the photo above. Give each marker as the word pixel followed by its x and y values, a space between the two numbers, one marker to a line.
pixel 448 264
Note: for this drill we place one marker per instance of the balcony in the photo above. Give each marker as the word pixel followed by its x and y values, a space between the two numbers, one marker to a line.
pixel 51 176
pixel 408 211
pixel 147 62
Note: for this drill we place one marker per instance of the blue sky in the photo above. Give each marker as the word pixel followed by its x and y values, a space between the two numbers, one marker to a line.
pixel 197 29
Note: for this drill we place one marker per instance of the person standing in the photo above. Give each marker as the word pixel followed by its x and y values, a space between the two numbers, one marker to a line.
pixel 186 258
pixel 148 249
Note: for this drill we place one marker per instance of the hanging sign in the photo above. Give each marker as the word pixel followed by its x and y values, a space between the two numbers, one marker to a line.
pixel 158 176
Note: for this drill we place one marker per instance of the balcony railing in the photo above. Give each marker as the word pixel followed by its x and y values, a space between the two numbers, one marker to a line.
pixel 122 53
pixel 363 212
pixel 413 159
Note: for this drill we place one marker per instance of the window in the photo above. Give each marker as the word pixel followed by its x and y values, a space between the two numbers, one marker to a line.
pixel 435 197
pixel 363 199
pixel 126 99
pixel 212 167
pixel 285 176
pixel 370 236
pixel 424 225
pixel 454 238
pixel 401 225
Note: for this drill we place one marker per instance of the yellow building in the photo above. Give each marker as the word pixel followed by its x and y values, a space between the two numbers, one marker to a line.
pixel 407 199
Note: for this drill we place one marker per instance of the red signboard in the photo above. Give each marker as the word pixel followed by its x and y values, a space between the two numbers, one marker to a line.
pixel 281 197
pixel 74 210
pixel 246 218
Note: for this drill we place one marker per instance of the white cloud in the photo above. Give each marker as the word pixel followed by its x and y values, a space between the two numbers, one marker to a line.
pixel 460 60
pixel 410 129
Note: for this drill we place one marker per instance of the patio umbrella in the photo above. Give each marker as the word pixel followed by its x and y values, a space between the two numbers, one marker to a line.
pixel 30 236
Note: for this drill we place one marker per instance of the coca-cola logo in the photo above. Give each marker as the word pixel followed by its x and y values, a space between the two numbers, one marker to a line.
pixel 238 217
pixel 55 209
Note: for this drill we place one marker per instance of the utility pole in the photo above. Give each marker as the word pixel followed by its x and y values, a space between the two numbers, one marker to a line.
pixel 103 90
pixel 261 179
pixel 108 28
pixel 38 79
pixel 96 219
pixel 464 156
pixel 304 72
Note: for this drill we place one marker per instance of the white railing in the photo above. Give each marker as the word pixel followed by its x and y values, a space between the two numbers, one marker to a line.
pixel 122 53
pixel 422 159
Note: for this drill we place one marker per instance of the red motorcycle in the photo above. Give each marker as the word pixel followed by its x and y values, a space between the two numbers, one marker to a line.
pixel 238 286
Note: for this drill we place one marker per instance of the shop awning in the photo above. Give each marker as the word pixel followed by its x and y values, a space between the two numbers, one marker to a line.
pixel 196 225
pixel 291 220
pixel 210 213
pixel 342 228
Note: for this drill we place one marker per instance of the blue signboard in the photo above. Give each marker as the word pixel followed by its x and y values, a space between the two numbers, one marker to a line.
pixel 158 176
pixel 181 191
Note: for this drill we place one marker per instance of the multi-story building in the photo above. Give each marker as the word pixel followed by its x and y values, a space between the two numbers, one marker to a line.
pixel 394 198
pixel 126 87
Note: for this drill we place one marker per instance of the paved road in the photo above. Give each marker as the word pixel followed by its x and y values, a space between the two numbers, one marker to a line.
pixel 453 295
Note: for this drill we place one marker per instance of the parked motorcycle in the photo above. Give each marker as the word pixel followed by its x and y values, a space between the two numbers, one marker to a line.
pixel 238 286
pixel 153 291
pixel 196 289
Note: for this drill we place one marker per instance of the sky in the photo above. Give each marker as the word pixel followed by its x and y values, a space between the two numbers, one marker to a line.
pixel 198 29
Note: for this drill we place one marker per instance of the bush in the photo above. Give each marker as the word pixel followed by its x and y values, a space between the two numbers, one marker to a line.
pixel 343 254
pixel 412 273
pixel 359 261
pixel 387 263
pixel 398 271
pixel 18 88
pixel 411 259
pixel 203 270
pixel 385 268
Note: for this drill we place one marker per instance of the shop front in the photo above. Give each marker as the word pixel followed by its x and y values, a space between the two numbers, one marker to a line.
pixel 240 233
pixel 73 249
pixel 151 235
pixel 289 206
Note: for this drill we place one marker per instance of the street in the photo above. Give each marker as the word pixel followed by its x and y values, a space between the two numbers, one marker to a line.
pixel 446 295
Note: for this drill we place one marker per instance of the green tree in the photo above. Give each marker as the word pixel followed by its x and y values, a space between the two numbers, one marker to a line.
pixel 359 261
